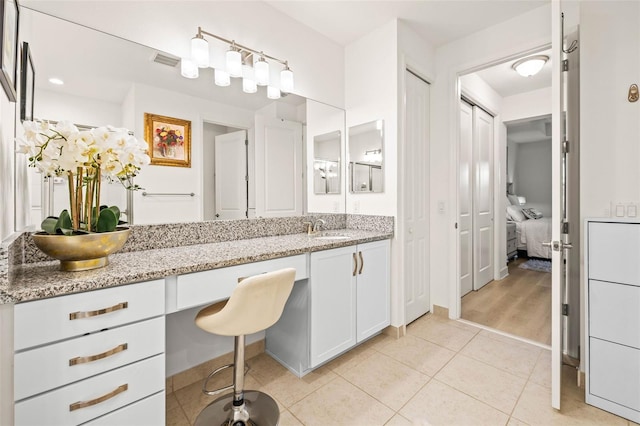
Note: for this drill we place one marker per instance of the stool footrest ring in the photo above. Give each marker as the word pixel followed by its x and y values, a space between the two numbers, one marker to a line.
pixel 222 389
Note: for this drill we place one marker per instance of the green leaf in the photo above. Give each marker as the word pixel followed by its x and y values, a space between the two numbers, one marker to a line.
pixel 107 221
pixel 64 221
pixel 116 211
pixel 49 225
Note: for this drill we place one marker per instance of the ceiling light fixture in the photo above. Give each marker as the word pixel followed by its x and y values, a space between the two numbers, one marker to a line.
pixel 532 65
pixel 239 63
pixel 57 81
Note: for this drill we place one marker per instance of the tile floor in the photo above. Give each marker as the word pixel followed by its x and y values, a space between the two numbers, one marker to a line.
pixel 441 373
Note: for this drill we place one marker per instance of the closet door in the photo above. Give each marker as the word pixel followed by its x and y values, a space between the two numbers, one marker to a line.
pixel 466 198
pixel 231 175
pixel 482 198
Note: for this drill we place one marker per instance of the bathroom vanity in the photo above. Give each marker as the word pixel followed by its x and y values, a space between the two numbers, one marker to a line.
pixel 90 347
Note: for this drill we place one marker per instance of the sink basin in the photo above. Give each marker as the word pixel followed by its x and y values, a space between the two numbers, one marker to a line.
pixel 331 237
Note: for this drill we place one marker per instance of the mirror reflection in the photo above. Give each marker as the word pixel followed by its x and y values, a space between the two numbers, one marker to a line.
pixel 365 157
pixel 247 151
pixel 326 163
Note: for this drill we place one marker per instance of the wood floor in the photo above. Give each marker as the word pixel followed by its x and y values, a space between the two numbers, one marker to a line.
pixel 519 304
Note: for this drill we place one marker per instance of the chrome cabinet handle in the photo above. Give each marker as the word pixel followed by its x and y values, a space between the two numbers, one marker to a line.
pixel 361 262
pixel 82 404
pixel 84 359
pixel 88 314
pixel 355 264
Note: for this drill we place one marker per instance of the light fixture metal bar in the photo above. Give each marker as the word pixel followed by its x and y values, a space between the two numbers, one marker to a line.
pixel 240 46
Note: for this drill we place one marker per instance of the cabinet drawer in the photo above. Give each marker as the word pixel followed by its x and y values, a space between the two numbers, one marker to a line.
pixel 614 373
pixel 614 312
pixel 511 231
pixel 613 252
pixel 511 246
pixel 47 367
pixel 115 389
pixel 49 320
pixel 199 288
pixel 148 412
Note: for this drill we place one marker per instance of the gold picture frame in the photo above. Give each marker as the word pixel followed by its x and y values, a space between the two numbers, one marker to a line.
pixel 169 140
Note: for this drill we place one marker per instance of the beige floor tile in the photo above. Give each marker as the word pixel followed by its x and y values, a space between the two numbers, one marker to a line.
pixel 450 334
pixel 288 419
pixel 534 408
pixel 340 403
pixel 516 340
pixel 192 400
pixel 282 385
pixel 350 359
pixel 439 404
pixel 378 342
pixel 387 380
pixel 508 355
pixel 418 354
pixel 541 373
pixel 516 422
pixel 171 401
pixel 487 383
pixel 176 417
pixel 398 420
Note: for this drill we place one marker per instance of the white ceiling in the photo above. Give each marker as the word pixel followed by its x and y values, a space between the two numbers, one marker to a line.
pixel 438 21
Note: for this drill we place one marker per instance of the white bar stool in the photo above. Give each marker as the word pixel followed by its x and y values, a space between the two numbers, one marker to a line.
pixel 255 304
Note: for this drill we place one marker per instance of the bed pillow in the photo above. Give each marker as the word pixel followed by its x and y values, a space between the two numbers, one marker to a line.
pixel 513 198
pixel 532 213
pixel 515 213
pixel 508 201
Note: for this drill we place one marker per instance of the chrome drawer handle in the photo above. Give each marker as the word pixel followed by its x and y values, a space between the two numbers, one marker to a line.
pixel 83 404
pixel 78 315
pixel 91 358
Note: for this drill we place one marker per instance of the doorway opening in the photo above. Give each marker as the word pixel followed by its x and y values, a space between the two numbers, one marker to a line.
pixel 505 173
pixel 225 172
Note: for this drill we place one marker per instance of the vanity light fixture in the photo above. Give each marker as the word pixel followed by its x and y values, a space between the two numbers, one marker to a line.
pixel 240 61
pixel 532 65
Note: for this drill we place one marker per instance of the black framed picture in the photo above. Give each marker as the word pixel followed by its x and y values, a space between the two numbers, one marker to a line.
pixel 27 83
pixel 9 47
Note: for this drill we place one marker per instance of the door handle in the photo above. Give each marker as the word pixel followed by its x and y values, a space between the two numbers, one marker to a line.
pixel 558 245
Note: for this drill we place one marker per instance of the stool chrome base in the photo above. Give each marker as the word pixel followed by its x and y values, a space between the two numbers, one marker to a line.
pixel 259 408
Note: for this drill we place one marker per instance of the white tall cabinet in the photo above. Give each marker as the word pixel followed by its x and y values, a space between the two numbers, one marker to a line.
pixel 612 260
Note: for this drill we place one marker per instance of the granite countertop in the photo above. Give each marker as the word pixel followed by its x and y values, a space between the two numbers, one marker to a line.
pixel 32 281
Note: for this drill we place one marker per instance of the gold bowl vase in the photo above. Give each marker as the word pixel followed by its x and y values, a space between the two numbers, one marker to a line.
pixel 84 251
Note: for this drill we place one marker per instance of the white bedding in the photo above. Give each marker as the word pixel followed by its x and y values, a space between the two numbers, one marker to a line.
pixel 531 234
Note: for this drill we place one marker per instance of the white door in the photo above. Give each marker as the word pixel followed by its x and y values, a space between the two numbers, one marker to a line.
pixel 466 200
pixel 415 198
pixel 373 288
pixel 231 175
pixel 482 198
pixel 278 167
pixel 558 277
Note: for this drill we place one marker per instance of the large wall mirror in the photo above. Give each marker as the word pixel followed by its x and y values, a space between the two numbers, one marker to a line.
pixel 251 156
pixel 366 170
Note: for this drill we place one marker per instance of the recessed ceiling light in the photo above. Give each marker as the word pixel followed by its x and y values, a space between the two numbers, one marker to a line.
pixel 57 81
pixel 530 66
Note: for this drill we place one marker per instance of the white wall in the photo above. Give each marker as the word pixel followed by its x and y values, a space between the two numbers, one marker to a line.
pixel 164 179
pixel 535 103
pixel 527 32
pixel 533 175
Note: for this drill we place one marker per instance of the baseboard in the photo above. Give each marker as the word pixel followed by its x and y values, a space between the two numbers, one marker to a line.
pixel 439 311
pixel 395 332
pixel 201 371
pixel 504 273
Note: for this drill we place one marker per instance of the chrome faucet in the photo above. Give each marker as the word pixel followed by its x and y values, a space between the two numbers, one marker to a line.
pixel 314 227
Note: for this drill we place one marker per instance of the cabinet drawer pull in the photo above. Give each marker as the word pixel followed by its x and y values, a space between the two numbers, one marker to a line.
pixel 84 359
pixel 361 263
pixel 82 404
pixel 87 314
pixel 355 264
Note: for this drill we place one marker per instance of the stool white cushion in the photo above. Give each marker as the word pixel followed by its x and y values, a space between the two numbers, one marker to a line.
pixel 255 304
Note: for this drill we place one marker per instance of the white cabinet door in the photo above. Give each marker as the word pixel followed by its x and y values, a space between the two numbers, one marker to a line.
pixel 373 279
pixel 333 303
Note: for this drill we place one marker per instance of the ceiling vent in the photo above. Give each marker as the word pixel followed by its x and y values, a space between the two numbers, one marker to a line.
pixel 166 60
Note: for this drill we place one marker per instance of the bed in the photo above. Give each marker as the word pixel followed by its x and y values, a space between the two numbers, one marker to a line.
pixel 531 232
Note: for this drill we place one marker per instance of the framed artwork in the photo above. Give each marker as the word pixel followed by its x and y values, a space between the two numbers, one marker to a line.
pixel 9 47
pixel 27 84
pixel 169 140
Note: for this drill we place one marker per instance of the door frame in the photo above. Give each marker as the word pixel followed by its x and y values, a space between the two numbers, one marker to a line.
pixel 499 222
